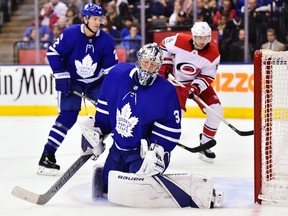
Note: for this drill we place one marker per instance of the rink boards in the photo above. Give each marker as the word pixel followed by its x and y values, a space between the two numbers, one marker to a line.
pixel 30 90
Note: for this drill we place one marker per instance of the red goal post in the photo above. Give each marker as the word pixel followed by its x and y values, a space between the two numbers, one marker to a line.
pixel 271 126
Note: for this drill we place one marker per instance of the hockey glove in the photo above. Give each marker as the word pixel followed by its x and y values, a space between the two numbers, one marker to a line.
pixel 166 68
pixel 153 162
pixel 63 82
pixel 92 138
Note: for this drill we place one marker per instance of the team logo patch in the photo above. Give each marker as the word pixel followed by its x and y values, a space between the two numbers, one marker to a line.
pixel 85 68
pixel 125 122
pixel 187 68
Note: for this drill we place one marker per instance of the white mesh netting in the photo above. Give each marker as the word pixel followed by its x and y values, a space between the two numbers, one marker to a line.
pixel 274 140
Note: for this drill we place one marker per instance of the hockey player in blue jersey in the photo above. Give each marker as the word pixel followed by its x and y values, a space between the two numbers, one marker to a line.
pixel 80 59
pixel 136 104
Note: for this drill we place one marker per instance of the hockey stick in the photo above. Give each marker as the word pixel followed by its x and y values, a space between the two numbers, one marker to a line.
pixel 85 97
pixel 241 133
pixel 41 199
pixel 199 148
pixel 80 95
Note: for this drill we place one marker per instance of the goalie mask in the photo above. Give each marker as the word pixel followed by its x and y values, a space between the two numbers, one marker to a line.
pixel 149 61
pixel 201 33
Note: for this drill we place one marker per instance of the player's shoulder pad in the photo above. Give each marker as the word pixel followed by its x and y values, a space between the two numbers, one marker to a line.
pixel 71 29
pixel 211 53
pixel 120 68
pixel 164 83
pixel 106 36
pixel 183 41
pixel 72 33
pixel 214 49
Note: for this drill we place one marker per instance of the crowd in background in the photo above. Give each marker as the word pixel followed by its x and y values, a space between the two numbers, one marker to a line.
pixel 122 21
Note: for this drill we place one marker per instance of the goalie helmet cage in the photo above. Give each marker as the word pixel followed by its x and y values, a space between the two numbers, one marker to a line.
pixel 271 127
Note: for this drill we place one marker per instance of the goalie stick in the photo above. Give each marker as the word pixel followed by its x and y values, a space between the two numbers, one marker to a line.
pixel 241 133
pixel 41 199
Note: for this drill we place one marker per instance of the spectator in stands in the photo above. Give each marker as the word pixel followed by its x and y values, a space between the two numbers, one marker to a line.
pixel 57 30
pixel 59 8
pixel 76 6
pixel 44 33
pixel 161 9
pixel 111 12
pixel 122 8
pixel 237 48
pixel 62 22
pixel 273 43
pixel 225 9
pixel 224 39
pixel 132 43
pixel 211 5
pixel 29 39
pixel 232 28
pixel 221 26
pixel 128 21
pixel 187 7
pixel 178 16
pixel 72 17
pixel 108 27
pixel 204 11
pixel 255 24
pixel 47 17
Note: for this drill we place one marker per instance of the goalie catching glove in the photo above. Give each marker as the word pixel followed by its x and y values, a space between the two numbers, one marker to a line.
pixel 154 161
pixel 92 138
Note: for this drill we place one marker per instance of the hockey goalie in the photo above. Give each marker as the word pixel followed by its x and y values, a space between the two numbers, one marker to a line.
pixel 141 111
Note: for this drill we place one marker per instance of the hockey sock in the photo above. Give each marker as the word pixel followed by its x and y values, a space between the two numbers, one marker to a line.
pixel 56 137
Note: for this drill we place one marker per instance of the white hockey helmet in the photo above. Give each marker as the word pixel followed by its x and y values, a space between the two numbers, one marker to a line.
pixel 201 29
pixel 154 56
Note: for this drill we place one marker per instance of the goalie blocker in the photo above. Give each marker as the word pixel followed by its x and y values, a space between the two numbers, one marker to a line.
pixel 161 191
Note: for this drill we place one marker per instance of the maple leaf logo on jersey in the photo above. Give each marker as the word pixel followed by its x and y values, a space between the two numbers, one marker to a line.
pixel 125 123
pixel 86 68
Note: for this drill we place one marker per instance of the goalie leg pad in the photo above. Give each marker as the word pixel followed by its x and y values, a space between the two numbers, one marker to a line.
pixel 202 190
pixel 168 191
pixel 128 189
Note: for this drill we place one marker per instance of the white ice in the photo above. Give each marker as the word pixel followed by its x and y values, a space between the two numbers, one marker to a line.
pixel 22 140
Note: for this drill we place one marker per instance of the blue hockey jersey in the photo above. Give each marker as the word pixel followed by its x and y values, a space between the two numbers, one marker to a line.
pixel 132 112
pixel 86 59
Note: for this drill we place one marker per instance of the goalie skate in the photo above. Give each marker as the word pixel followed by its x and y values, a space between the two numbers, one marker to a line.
pixel 217 199
pixel 97 183
pixel 47 165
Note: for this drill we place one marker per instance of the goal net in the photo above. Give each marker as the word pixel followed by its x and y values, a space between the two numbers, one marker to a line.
pixel 271 126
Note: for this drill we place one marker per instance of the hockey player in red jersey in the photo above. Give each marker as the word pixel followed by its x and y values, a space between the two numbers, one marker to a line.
pixel 193 61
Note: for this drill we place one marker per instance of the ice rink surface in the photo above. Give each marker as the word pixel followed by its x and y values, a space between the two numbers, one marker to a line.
pixel 22 140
